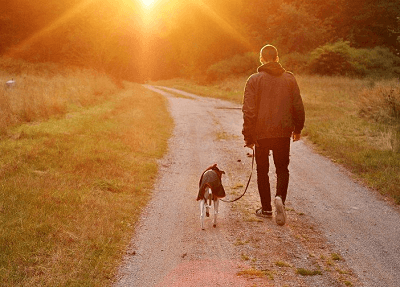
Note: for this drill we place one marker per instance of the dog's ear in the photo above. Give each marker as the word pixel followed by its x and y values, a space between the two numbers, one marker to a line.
pixel 214 167
pixel 210 167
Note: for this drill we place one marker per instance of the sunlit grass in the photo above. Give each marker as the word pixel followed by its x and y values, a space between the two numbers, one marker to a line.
pixel 42 91
pixel 72 187
pixel 251 273
pixel 307 272
pixel 369 148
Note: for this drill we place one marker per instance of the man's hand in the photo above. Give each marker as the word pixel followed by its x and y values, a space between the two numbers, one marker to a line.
pixel 296 137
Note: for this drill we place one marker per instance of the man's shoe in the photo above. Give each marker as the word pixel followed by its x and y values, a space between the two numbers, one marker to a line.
pixel 263 213
pixel 280 214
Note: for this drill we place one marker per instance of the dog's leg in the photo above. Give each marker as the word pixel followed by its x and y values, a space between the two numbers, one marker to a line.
pixel 216 204
pixel 208 196
pixel 202 213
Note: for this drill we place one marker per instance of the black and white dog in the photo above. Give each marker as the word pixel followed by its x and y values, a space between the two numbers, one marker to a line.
pixel 210 190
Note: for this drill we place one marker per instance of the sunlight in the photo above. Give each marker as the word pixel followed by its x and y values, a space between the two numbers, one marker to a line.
pixel 148 3
pixel 48 29
pixel 228 26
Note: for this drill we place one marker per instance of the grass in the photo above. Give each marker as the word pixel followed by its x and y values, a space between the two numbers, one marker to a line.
pixel 72 183
pixel 240 242
pixel 336 257
pixel 282 264
pixel 307 272
pixel 340 122
pixel 245 257
pixel 44 94
pixel 225 136
pixel 252 272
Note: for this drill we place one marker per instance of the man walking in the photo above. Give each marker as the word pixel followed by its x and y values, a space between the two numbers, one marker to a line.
pixel 273 112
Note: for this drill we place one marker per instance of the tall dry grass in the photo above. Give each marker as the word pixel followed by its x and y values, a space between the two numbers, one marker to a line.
pixel 42 91
pixel 381 103
pixel 72 188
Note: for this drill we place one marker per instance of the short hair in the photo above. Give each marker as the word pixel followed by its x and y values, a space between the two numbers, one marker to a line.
pixel 269 53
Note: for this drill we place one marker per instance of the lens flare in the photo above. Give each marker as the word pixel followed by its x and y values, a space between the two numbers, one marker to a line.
pixel 148 3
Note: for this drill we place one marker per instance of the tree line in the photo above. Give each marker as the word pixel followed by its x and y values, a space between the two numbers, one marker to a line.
pixel 186 38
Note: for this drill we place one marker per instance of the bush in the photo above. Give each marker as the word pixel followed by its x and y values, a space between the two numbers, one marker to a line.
pixel 340 58
pixel 377 62
pixel 295 62
pixel 331 59
pixel 236 66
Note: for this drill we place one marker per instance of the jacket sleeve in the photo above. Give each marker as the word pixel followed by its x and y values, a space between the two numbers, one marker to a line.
pixel 298 110
pixel 249 111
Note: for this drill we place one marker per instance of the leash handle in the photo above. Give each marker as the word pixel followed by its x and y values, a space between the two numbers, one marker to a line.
pixel 248 182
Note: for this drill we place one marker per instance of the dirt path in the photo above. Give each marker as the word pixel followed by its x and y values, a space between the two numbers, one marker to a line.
pixel 338 233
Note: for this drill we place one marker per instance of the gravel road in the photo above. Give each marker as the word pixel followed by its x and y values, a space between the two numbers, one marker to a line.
pixel 170 249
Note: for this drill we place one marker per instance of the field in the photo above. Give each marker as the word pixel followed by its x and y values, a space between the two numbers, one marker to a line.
pixel 355 122
pixel 78 158
pixel 77 163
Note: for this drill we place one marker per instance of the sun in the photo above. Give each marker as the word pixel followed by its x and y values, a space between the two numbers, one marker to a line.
pixel 148 3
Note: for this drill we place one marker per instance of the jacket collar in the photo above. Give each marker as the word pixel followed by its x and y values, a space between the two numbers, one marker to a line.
pixel 272 68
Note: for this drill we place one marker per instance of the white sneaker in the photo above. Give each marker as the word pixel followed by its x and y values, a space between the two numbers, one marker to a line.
pixel 280 214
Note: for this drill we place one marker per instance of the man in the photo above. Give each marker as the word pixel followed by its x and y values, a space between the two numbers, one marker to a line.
pixel 273 112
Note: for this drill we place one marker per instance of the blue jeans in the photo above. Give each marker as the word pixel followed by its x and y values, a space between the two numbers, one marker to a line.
pixel 280 148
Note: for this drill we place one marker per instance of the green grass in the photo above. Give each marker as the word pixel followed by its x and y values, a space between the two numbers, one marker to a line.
pixel 282 264
pixel 336 257
pixel 72 187
pixel 336 123
pixel 307 272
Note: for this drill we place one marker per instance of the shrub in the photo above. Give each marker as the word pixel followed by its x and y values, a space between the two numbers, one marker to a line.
pixel 376 62
pixel 331 59
pixel 295 62
pixel 236 66
pixel 340 58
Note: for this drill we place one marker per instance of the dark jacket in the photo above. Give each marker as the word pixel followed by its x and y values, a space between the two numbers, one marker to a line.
pixel 272 105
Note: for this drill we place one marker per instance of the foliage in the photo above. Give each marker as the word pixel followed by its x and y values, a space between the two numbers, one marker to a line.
pixel 296 29
pixel 340 58
pixel 238 65
pixel 376 62
pixel 93 34
pixel 185 38
pixel 295 62
pixel 332 59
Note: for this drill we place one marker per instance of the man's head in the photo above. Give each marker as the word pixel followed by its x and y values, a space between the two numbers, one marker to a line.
pixel 268 54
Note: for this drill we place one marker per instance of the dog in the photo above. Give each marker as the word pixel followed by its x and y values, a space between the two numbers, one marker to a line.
pixel 210 191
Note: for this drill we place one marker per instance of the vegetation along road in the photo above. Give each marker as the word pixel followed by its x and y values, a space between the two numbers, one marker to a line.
pixel 338 232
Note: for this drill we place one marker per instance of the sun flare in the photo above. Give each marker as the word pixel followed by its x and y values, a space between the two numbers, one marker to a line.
pixel 148 3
